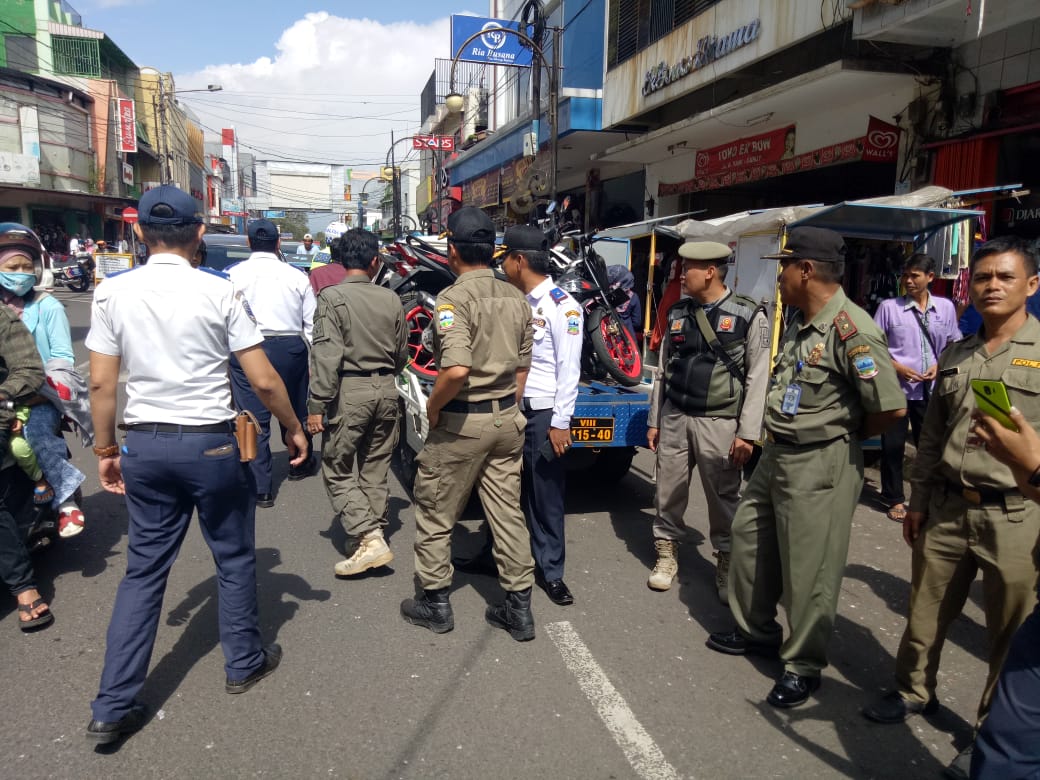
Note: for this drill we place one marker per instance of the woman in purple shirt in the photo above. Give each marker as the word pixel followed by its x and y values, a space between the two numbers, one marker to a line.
pixel 918 326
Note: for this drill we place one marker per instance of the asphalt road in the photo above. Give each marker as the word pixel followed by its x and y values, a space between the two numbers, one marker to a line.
pixel 619 685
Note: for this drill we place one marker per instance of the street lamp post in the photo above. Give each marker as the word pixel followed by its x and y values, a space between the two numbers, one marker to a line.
pixel 455 102
pixel 166 173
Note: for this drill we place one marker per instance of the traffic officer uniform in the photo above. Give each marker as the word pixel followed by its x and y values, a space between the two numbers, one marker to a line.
pixel 283 303
pixel 360 343
pixel 550 393
pixel 790 535
pixel 484 324
pixel 180 452
pixel 976 518
pixel 700 404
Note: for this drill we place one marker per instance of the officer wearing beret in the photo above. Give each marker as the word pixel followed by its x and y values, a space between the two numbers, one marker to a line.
pixel 180 455
pixel 966 511
pixel 360 344
pixel 482 344
pixel 706 405
pixel 548 403
pixel 833 385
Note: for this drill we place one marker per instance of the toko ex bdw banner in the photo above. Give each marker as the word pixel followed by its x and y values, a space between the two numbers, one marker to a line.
pixel 494 46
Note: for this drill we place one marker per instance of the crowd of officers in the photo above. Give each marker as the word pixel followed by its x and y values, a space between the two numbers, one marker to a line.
pixel 508 355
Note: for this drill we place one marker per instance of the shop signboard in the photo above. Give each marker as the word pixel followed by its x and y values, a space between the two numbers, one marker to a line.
pixel 747 152
pixel 127 126
pixel 494 46
pixel 881 143
pixel 514 177
pixel 482 191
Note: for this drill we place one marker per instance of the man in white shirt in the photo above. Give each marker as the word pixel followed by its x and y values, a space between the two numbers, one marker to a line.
pixel 283 303
pixel 307 248
pixel 180 455
pixel 548 403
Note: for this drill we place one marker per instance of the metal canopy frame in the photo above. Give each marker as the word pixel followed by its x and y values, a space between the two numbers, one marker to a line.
pixel 885 222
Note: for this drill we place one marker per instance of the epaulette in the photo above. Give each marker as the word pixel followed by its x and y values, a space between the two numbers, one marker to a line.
pixel 214 272
pixel 557 295
pixel 846 328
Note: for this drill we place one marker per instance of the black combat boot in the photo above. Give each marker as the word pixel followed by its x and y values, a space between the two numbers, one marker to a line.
pixel 431 610
pixel 514 615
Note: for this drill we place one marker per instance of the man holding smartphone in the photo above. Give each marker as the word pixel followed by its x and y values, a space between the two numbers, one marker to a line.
pixel 966 511
pixel 548 402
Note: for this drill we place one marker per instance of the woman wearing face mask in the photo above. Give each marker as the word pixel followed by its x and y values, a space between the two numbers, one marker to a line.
pixel 21 255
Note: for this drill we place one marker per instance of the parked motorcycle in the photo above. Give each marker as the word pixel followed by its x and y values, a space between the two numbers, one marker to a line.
pixel 76 276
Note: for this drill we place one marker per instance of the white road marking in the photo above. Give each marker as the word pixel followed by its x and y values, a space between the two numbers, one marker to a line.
pixel 638 746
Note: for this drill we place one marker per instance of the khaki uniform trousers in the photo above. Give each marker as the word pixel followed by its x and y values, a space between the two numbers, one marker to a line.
pixel 958 540
pixel 363 433
pixel 790 544
pixel 464 450
pixel 685 442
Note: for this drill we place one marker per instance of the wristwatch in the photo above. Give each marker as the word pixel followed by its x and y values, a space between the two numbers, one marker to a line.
pixel 107 452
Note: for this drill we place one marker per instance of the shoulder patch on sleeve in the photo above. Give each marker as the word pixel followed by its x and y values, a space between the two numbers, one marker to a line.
pixel 557 295
pixel 846 328
pixel 245 305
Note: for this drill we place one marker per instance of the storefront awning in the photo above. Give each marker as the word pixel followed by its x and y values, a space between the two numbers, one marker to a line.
pixel 882 221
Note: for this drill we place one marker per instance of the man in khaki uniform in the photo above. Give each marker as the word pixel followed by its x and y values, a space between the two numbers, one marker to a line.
pixel 833 385
pixel 482 343
pixel 706 406
pixel 360 343
pixel 966 512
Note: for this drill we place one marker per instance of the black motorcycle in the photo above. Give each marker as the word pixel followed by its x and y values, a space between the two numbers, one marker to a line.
pixel 76 276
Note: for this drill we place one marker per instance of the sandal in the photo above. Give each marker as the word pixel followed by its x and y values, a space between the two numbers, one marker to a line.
pixel 70 521
pixel 44 619
pixel 896 513
pixel 43 494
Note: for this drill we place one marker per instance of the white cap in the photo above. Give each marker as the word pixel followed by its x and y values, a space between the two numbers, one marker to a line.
pixel 308 236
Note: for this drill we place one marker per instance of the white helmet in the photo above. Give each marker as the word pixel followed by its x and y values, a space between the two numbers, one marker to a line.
pixel 334 230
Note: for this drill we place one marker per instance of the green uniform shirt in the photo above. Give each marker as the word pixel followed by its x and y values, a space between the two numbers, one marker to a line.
pixel 841 363
pixel 484 324
pixel 21 369
pixel 357 327
pixel 947 451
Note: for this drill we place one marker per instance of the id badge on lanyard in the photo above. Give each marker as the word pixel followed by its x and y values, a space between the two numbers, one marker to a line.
pixel 793 394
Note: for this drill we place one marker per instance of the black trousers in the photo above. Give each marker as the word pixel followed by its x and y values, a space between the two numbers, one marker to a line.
pixel 542 489
pixel 16 569
pixel 893 444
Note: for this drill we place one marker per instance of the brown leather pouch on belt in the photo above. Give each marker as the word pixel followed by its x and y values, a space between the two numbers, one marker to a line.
pixel 246 429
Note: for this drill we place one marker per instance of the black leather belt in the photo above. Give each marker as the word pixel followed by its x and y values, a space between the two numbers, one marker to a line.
pixel 478 407
pixel 979 496
pixel 377 372
pixel 223 427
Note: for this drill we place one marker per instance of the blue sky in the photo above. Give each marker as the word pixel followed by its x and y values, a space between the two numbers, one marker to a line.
pixel 300 82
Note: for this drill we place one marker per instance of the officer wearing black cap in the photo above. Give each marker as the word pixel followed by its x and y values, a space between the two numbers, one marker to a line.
pixel 180 453
pixel 482 344
pixel 833 385
pixel 548 401
pixel 706 406
pixel 283 303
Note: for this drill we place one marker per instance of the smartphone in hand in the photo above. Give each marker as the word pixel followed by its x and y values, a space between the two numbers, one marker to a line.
pixel 546 450
pixel 992 400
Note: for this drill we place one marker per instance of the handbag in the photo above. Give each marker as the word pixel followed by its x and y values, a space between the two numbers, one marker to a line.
pixel 247 427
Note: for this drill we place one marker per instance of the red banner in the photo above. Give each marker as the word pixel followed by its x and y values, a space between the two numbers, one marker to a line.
pixel 743 153
pixel 881 144
pixel 127 126
pixel 227 136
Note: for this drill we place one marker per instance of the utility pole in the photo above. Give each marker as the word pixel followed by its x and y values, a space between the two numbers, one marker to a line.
pixel 394 194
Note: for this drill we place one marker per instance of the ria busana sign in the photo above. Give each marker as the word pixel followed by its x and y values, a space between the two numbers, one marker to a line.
pixel 709 49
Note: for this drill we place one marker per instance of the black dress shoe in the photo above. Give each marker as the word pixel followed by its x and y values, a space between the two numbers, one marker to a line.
pixel 265 500
pixel 893 708
pixel 304 470
pixel 102 732
pixel 735 643
pixel 792 690
pixel 558 592
pixel 272 657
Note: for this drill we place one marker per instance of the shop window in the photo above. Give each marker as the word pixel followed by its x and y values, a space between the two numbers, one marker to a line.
pixel 632 25
pixel 21 53
pixel 76 56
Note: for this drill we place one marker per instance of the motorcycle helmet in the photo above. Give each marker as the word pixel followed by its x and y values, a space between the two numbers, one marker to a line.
pixel 15 236
pixel 334 230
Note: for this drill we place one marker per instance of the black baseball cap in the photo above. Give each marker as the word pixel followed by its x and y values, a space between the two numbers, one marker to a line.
pixel 262 229
pixel 470 225
pixel 521 238
pixel 167 205
pixel 812 243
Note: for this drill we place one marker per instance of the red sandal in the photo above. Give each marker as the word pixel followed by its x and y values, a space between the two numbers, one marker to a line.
pixel 70 521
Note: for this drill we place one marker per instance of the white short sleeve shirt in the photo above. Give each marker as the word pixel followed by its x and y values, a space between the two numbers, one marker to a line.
pixel 279 295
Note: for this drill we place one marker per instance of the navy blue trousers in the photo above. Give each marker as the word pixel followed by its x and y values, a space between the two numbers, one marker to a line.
pixel 542 488
pixel 288 355
pixel 1008 744
pixel 167 477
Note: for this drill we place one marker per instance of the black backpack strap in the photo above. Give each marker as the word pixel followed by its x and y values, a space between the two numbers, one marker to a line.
pixel 716 345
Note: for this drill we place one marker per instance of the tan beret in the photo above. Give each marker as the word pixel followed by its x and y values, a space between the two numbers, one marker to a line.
pixel 704 250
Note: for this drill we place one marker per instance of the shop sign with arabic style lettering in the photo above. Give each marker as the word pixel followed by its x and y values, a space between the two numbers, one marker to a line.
pixel 709 49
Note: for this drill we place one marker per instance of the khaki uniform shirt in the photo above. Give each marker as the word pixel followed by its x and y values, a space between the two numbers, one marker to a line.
pixel 947 451
pixel 359 327
pixel 484 324
pixel 840 361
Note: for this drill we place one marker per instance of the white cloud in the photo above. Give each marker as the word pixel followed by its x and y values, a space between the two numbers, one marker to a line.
pixel 324 69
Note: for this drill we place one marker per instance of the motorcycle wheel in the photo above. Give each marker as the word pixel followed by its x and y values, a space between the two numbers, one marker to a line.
pixel 417 319
pixel 615 347
pixel 81 286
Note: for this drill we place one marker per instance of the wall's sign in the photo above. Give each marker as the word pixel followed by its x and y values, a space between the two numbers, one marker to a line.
pixel 709 49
